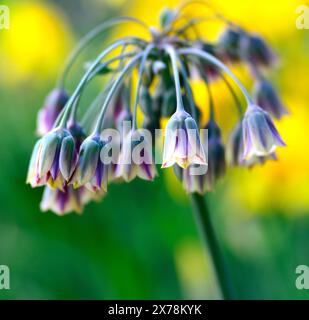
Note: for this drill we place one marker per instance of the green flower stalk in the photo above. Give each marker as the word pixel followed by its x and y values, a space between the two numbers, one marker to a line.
pixel 73 160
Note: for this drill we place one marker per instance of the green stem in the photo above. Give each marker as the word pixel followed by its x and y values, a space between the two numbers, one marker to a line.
pixel 86 76
pixel 93 110
pixel 172 53
pixel 114 87
pixel 234 95
pixel 193 22
pixel 139 81
pixel 94 73
pixel 209 57
pixel 207 5
pixel 209 236
pixel 188 91
pixel 88 38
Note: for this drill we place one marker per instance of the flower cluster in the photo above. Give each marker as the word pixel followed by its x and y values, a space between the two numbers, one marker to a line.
pixel 78 156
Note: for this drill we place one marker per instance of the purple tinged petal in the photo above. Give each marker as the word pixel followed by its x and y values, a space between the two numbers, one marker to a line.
pixel 49 147
pixel 54 170
pixel 67 157
pixel 275 132
pixel 33 165
pixel 260 135
pixel 87 162
pixel 53 105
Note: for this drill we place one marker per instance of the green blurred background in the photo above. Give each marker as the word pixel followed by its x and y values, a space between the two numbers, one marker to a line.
pixel 141 241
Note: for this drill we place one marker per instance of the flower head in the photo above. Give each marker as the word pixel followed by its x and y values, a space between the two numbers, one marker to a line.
pixel 182 143
pixel 53 105
pixel 267 98
pixel 260 136
pixel 75 168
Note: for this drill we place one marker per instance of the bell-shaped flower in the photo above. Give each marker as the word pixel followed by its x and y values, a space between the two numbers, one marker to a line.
pixel 235 151
pixel 67 200
pixel 90 170
pixel 135 159
pixel 52 161
pixel 257 52
pixel 260 136
pixel 53 105
pixel 267 98
pixel 194 178
pixel 201 178
pixel 182 143
pixel 229 44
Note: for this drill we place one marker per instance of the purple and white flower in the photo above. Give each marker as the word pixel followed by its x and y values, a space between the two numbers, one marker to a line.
pixel 136 158
pixel 53 105
pixel 260 136
pixel 67 200
pixel 90 170
pixel 182 143
pixel 53 159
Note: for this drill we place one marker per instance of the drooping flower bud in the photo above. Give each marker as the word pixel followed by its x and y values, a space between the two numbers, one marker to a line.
pixel 67 200
pixel 182 143
pixel 66 157
pixel 45 160
pixel 53 105
pixel 267 98
pixel 90 170
pixel 260 136
pixel 257 52
pixel 235 151
pixel 229 44
pixel 136 158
